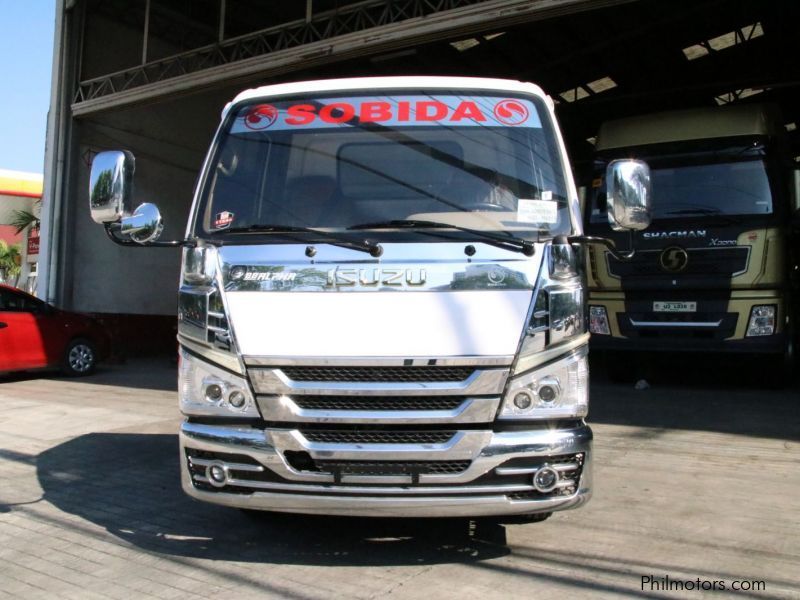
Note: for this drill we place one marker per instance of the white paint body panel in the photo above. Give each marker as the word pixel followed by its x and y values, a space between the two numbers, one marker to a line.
pixel 391 324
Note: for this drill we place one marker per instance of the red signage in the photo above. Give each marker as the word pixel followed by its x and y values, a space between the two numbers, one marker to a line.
pixel 482 111
pixel 33 242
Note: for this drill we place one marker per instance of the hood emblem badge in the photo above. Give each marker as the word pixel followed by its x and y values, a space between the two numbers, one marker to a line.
pixel 673 259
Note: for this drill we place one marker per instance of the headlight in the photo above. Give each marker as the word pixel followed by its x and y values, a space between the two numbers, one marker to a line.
pixel 207 390
pixel 762 320
pixel 555 391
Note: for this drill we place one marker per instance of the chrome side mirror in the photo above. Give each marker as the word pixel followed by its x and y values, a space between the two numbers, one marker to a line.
pixel 111 200
pixel 111 186
pixel 144 225
pixel 628 200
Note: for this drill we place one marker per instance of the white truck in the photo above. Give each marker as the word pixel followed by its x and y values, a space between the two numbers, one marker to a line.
pixel 382 308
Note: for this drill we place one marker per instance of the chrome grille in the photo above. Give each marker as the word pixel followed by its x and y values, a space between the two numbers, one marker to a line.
pixel 377 436
pixel 375 374
pixel 369 403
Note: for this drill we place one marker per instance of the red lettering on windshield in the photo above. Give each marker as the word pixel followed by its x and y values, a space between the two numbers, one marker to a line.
pixel 338 112
pixel 375 112
pixel 431 110
pixel 404 111
pixel 300 114
pixel 507 112
pixel 468 110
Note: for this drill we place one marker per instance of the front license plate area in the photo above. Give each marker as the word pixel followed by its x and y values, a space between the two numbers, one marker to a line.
pixel 675 307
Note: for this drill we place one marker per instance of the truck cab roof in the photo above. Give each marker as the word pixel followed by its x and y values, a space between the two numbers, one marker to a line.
pixel 692 124
pixel 373 83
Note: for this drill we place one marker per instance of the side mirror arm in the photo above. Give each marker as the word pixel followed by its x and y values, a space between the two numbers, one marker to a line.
pixel 112 231
pixel 609 244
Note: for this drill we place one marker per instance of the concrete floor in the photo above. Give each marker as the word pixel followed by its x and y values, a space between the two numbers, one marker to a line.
pixel 694 478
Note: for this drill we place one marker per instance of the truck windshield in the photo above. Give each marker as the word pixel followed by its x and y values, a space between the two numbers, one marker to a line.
pixel 723 181
pixel 336 162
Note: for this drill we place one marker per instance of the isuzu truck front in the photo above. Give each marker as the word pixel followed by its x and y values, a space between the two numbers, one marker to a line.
pixel 382 304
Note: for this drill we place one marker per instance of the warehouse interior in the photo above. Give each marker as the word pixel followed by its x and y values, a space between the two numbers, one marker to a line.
pixel 152 76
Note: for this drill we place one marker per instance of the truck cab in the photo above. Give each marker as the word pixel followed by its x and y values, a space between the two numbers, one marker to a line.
pixel 713 272
pixel 380 311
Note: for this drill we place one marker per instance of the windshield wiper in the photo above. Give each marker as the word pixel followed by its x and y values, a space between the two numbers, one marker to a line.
pixel 507 242
pixel 375 250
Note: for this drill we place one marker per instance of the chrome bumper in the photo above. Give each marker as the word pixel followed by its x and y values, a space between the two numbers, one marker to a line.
pixel 287 489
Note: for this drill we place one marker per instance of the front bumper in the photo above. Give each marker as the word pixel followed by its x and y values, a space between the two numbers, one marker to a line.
pixel 498 480
pixel 768 344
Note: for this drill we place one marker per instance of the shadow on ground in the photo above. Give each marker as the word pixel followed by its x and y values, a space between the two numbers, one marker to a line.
pixel 694 392
pixel 151 373
pixel 129 484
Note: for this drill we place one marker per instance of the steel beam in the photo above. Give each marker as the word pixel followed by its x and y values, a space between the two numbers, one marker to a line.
pixel 357 30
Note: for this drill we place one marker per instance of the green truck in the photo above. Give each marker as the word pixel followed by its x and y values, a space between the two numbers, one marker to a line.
pixel 716 271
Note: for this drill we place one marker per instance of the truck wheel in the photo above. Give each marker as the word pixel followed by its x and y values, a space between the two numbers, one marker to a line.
pixel 80 358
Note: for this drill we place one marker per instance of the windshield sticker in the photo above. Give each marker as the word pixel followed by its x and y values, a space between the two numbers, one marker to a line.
pixel 260 116
pixel 402 111
pixel 537 211
pixel 223 220
pixel 547 195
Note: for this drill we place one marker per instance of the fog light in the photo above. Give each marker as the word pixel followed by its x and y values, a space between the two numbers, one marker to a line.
pixel 237 399
pixel 762 320
pixel 523 400
pixel 545 479
pixel 216 475
pixel 547 393
pixel 213 393
pixel 598 320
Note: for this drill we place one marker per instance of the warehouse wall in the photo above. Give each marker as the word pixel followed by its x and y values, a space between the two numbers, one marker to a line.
pixel 169 142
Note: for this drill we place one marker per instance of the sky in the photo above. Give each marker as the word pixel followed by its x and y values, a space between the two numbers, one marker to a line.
pixel 26 57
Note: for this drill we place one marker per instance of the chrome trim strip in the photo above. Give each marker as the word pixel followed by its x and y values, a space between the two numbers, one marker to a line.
pixel 486 449
pixel 382 491
pixel 372 506
pixel 213 355
pixel 369 361
pixel 227 465
pixel 471 410
pixel 562 468
pixel 550 354
pixel 480 383
pixel 673 324
pixel 464 445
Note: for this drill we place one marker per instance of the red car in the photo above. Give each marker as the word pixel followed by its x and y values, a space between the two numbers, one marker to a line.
pixel 34 335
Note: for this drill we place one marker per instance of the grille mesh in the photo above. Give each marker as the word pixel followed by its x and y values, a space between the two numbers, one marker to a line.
pixel 391 374
pixel 702 261
pixel 444 467
pixel 377 437
pixel 378 403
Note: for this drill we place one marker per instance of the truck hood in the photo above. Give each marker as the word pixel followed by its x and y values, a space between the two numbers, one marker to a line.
pixel 342 303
